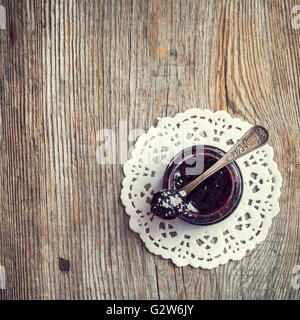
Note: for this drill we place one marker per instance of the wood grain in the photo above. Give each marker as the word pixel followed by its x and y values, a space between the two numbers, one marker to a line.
pixel 71 68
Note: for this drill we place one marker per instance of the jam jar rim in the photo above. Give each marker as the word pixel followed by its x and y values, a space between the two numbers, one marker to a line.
pixel 237 184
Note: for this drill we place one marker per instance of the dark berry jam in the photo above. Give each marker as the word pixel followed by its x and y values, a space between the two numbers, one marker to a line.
pixel 217 196
pixel 168 204
pixel 211 194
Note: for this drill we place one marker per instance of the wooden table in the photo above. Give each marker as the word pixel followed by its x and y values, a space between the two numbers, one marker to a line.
pixel 71 68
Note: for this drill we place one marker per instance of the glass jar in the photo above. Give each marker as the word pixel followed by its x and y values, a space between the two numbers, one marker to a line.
pixel 216 197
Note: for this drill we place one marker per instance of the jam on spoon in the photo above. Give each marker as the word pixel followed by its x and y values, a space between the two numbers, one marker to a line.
pixel 168 204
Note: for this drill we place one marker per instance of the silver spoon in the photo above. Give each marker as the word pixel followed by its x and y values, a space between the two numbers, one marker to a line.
pixel 168 204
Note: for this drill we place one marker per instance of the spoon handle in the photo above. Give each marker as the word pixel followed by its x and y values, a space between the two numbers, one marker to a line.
pixel 253 139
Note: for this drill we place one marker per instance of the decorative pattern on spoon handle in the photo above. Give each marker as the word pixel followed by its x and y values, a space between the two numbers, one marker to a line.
pixel 253 139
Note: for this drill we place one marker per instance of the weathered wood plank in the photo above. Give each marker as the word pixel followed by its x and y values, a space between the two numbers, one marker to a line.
pixel 71 68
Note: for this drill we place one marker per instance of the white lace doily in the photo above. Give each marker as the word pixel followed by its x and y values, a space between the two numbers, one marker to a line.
pixel 183 243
